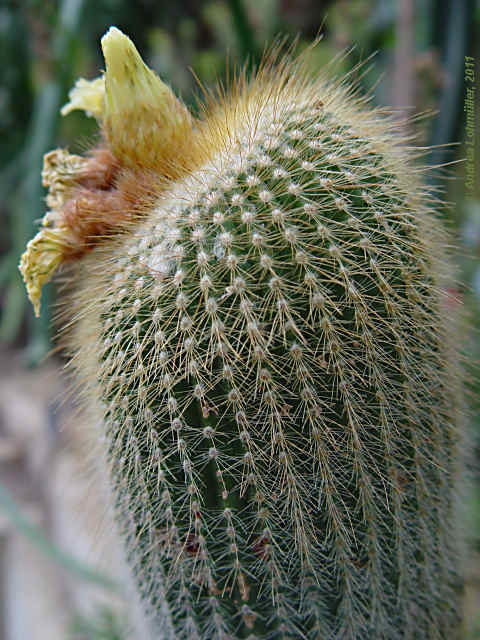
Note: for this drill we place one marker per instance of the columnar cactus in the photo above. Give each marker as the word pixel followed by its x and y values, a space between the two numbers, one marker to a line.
pixel 259 319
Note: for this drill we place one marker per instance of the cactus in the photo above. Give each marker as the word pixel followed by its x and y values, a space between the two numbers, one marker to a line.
pixel 259 323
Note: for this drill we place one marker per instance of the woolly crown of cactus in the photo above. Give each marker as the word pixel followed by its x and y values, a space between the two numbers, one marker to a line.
pixel 260 328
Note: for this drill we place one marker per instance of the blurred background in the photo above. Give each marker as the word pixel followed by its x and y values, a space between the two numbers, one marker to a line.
pixel 59 578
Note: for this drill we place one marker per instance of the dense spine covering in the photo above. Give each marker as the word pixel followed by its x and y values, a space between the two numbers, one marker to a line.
pixel 270 348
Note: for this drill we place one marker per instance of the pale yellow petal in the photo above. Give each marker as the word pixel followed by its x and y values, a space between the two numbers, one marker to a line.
pixel 143 118
pixel 88 96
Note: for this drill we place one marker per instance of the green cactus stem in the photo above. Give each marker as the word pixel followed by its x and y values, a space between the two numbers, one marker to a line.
pixel 263 334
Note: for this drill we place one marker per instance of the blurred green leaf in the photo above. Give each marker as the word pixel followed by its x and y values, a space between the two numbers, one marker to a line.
pixel 35 535
pixel 104 626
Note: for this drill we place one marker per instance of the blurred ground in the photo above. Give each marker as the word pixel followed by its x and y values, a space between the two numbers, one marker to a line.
pixel 42 465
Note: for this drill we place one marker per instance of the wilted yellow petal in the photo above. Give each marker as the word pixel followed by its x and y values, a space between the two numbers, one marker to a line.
pixel 41 259
pixel 60 173
pixel 48 248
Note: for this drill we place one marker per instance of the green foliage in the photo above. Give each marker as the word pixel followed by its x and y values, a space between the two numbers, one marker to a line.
pixel 104 626
pixel 21 176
